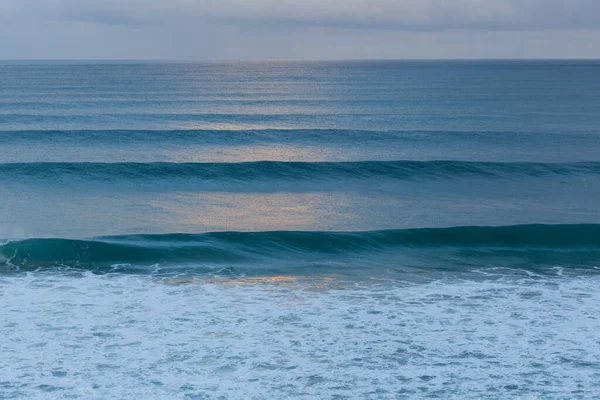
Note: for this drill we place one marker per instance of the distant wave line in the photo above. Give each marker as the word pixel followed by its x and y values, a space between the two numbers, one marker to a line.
pixel 274 135
pixel 294 171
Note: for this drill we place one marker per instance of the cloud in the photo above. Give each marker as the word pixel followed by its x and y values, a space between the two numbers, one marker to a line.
pixel 132 13
pixel 298 29
pixel 402 15
pixel 428 15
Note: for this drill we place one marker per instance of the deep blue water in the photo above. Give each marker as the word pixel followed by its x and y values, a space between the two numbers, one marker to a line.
pixel 409 180
pixel 100 149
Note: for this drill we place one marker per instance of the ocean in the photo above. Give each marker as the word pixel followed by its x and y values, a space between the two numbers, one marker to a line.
pixel 301 230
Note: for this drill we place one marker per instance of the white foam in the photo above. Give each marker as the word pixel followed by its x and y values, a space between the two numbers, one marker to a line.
pixel 129 337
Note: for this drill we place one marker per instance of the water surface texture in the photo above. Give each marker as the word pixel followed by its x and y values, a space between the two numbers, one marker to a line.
pixel 366 229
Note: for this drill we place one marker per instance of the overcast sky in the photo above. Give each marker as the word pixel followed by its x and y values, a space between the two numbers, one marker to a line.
pixel 298 29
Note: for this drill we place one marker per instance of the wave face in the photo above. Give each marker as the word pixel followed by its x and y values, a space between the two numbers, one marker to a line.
pixel 320 136
pixel 290 171
pixel 231 248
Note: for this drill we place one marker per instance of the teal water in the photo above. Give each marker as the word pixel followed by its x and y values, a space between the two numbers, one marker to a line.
pixel 365 229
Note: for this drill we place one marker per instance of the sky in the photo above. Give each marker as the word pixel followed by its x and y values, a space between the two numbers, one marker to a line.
pixel 298 29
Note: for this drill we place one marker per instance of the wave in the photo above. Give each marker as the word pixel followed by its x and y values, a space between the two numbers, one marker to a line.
pixel 244 135
pixel 292 171
pixel 200 136
pixel 244 247
pixel 184 116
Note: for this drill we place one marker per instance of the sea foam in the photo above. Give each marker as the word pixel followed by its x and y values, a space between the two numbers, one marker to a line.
pixel 118 336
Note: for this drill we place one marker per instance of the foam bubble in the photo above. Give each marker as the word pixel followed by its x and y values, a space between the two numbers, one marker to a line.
pixel 116 336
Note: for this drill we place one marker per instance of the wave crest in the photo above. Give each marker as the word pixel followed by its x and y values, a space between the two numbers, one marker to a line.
pixel 241 247
pixel 290 171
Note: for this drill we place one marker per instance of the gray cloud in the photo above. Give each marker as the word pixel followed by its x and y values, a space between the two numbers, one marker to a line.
pixel 110 17
pixel 424 15
pixel 258 29
pixel 131 13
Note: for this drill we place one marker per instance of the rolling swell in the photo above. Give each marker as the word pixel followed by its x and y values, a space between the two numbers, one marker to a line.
pixel 223 137
pixel 290 171
pixel 246 247
pixel 245 136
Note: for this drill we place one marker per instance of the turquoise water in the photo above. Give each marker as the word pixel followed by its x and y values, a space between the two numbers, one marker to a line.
pixel 367 229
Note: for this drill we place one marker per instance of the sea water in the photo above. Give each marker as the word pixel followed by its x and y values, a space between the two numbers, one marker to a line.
pixel 364 229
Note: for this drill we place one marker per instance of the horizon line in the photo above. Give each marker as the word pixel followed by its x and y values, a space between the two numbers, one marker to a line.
pixel 183 60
